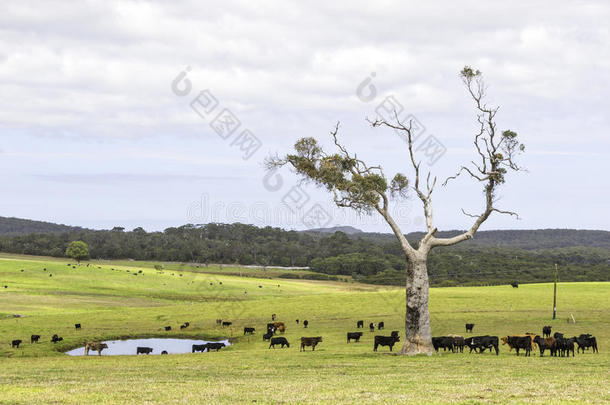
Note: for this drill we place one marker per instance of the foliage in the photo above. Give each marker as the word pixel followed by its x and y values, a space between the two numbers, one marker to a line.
pixel 77 250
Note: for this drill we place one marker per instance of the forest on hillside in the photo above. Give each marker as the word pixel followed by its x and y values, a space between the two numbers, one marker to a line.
pixel 376 259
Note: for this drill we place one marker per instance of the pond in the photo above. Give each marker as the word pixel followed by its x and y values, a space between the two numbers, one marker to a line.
pixel 129 347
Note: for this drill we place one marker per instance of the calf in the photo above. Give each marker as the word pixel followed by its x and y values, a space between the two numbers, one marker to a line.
pixel 546 331
pixel 544 344
pixel 226 323
pixel 267 336
pixel 278 341
pixel 273 317
pixel 215 346
pixel 305 323
pixel 16 343
pixel 198 348
pixel 481 343
pixel 297 321
pixel 514 285
pixel 144 350
pixel 183 326
pixel 218 321
pixel 34 338
pixel 469 327
pixel 360 324
pixel 187 324
pixel 458 343
pixel 380 325
pixel 565 346
pixel 372 327
pixel 385 341
pixel 520 342
pixel 394 333
pixel 77 326
pixel 310 341
pixel 248 330
pixel 585 341
pixel 168 328
pixel 354 335
pixel 444 342
pixel 56 339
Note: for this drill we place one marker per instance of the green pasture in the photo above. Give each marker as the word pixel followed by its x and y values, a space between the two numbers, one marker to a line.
pixel 113 300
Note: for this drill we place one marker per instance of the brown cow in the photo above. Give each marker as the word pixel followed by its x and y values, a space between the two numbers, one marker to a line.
pixel 280 326
pixel 310 341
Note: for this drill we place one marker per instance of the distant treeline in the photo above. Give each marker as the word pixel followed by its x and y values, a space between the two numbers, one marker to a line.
pixel 371 258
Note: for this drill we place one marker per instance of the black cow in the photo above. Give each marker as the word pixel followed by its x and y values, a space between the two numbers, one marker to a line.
pixel 310 341
pixel 557 335
pixel 469 327
pixel 226 323
pixel 544 344
pixel 385 341
pixel 187 324
pixel 164 352
pixel 380 325
pixel 16 343
pixel 183 326
pixel 481 343
pixel 198 348
pixel 565 346
pixel 585 341
pixel 271 328
pixel 34 338
pixel 458 343
pixel 56 339
pixel 279 341
pixel 514 284
pixel 305 323
pixel 77 326
pixel 248 330
pixel 215 346
pixel 394 333
pixel 546 331
pixel 442 342
pixel 372 327
pixel 360 324
pixel 520 342
pixel 168 328
pixel 267 336
pixel 354 335
pixel 144 350
pixel 297 321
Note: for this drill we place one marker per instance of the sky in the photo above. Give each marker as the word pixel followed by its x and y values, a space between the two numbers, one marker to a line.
pixel 158 114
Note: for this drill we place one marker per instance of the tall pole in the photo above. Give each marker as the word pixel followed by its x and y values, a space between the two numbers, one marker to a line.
pixel 555 294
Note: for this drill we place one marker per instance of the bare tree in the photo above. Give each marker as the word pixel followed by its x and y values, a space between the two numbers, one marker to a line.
pixel 365 188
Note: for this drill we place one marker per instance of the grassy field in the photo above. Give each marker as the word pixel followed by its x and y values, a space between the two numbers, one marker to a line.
pixel 113 300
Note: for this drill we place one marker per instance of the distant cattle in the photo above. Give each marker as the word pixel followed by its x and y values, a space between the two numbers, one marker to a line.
pixel 215 346
pixel 385 341
pixel 16 343
pixel 360 324
pixel 187 324
pixel 56 339
pixel 248 330
pixel 95 346
pixel 281 326
pixel 267 336
pixel 506 341
pixel 442 342
pixel 469 327
pixel 279 341
pixel 144 350
pixel 183 326
pixel 481 343
pixel 168 328
pixel 565 346
pixel 297 321
pixel 372 327
pixel 557 335
pixel 310 341
pixel 305 323
pixel 226 323
pixel 164 352
pixel 271 328
pixel 380 325
pixel 514 284
pixel 273 317
pixel 546 331
pixel 585 341
pixel 518 343
pixel 218 321
pixel 354 335
pixel 458 343
pixel 34 338
pixel 544 344
pixel 198 348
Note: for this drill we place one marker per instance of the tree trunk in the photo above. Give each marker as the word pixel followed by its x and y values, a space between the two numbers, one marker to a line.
pixel 418 335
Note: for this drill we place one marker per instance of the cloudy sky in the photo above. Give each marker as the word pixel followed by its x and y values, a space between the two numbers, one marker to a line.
pixel 156 114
